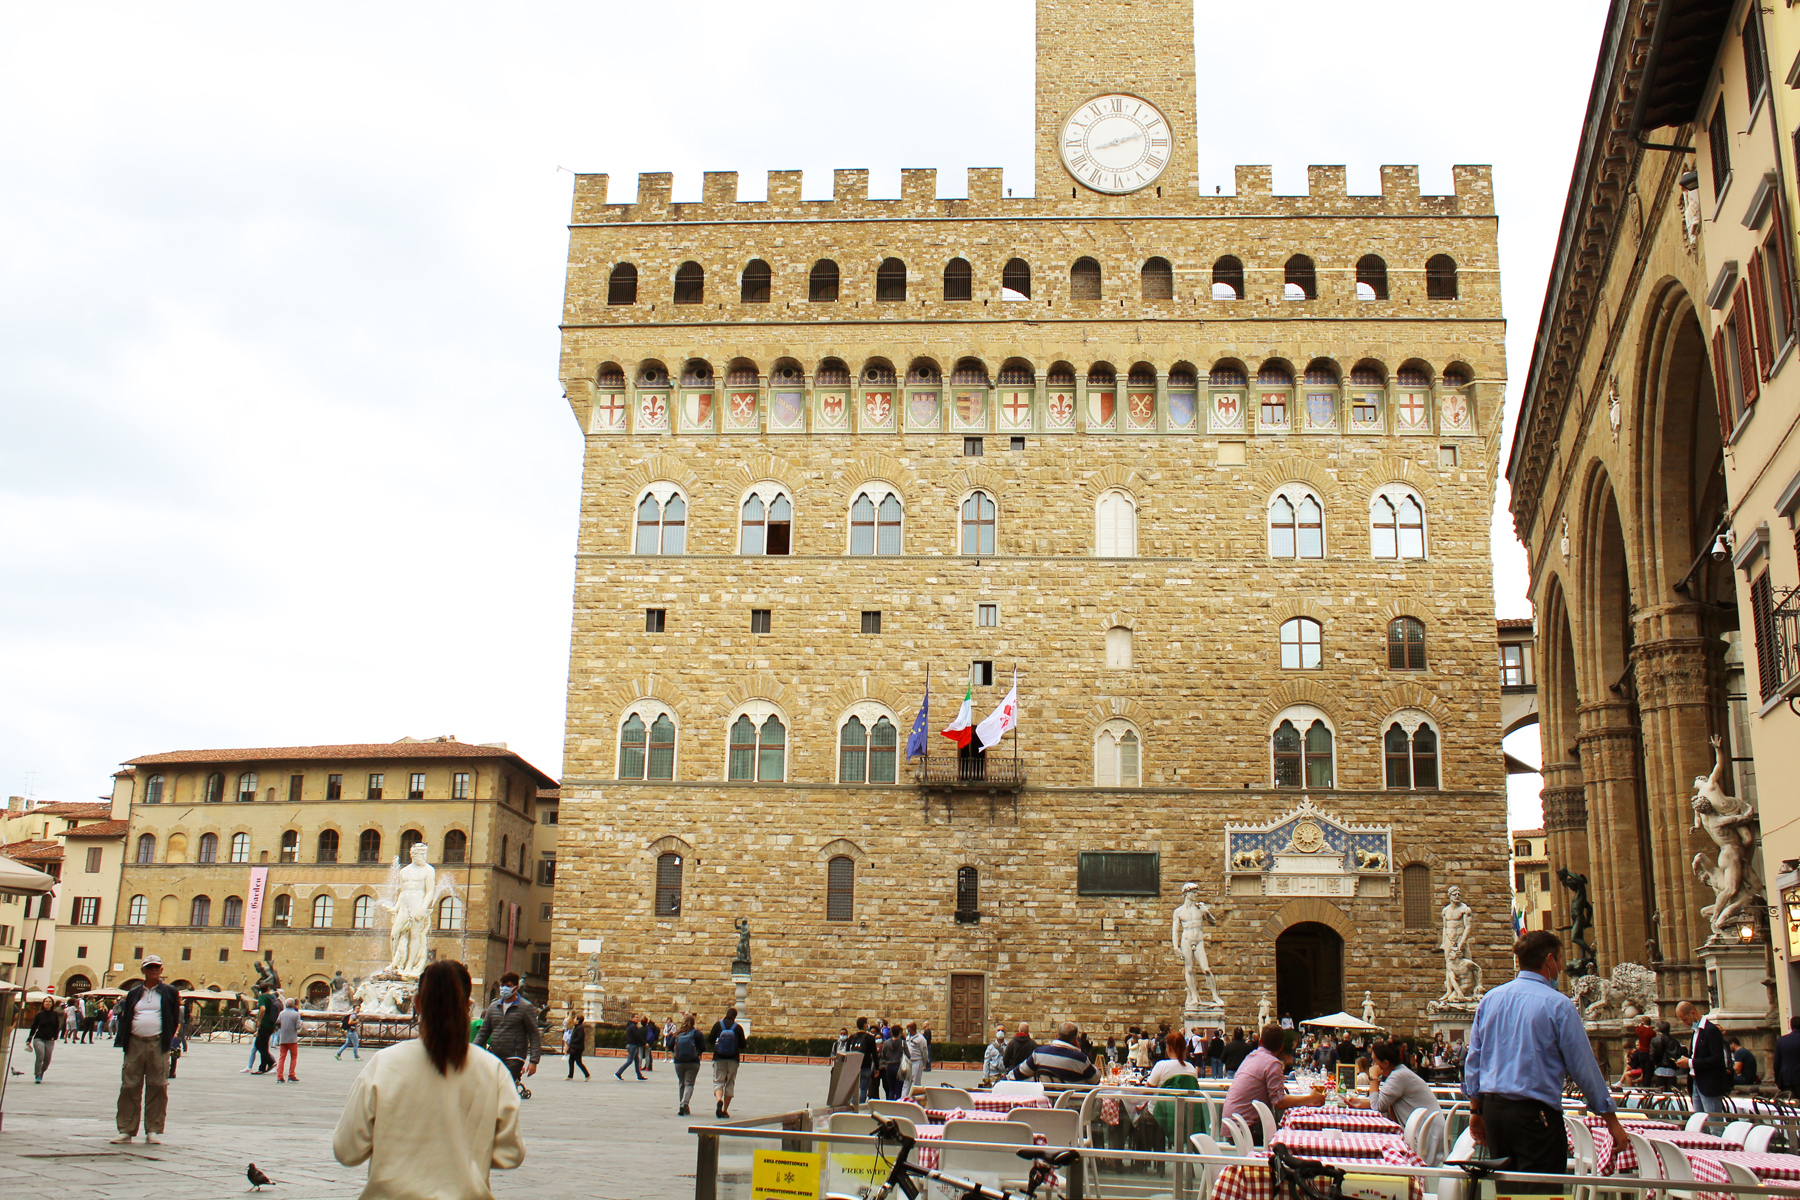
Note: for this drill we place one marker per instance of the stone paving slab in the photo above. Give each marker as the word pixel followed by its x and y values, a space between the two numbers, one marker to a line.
pixel 603 1139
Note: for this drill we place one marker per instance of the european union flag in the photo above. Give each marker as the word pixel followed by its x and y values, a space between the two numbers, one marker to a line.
pixel 915 741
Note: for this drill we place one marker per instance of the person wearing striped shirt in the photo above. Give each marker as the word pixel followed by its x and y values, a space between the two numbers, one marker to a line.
pixel 1059 1062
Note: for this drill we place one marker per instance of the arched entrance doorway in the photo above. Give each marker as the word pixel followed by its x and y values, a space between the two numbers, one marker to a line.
pixel 1309 971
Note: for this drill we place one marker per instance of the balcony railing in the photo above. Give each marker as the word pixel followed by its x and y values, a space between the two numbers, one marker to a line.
pixel 1786 642
pixel 971 774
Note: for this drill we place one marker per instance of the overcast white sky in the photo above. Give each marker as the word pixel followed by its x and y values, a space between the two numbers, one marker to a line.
pixel 284 456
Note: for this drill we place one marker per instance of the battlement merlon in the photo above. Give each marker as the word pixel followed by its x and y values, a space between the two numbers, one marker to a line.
pixel 1327 194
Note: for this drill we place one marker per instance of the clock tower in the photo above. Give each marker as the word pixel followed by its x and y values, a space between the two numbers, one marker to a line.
pixel 1115 50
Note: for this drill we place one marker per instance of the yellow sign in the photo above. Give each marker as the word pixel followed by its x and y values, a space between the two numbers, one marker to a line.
pixel 775 1175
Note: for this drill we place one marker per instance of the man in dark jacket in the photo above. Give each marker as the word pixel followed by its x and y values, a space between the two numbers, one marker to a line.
pixel 1215 1053
pixel 634 1049
pixel 863 1042
pixel 269 1009
pixel 147 1019
pixel 1787 1059
pixel 1236 1050
pixel 1705 1060
pixel 1019 1049
pixel 509 1029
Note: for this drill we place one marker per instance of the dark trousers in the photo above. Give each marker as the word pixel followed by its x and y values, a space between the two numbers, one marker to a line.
pixel 264 1058
pixel 1529 1133
pixel 890 1081
pixel 575 1061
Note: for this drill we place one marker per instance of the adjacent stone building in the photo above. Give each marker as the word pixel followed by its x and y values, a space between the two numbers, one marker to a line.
pixel 1211 473
pixel 58 939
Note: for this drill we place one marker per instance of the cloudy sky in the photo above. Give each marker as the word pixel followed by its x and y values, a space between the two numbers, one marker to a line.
pixel 284 457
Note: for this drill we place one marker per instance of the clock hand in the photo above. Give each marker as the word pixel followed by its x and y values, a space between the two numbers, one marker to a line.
pixel 1120 141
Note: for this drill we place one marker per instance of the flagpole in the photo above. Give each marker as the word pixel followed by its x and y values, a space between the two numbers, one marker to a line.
pixel 1015 725
pixel 927 764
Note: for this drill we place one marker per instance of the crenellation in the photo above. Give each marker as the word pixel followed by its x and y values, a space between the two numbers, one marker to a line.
pixel 784 192
pixel 918 187
pixel 985 185
pixel 718 187
pixel 1254 181
pixel 849 185
pixel 1326 181
pixel 1474 185
pixel 1399 183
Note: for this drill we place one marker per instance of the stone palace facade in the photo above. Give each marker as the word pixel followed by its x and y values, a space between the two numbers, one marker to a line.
pixel 1212 473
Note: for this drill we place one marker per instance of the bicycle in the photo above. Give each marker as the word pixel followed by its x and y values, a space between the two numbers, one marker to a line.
pixel 904 1175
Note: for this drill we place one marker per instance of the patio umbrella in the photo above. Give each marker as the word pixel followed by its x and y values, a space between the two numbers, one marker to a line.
pixel 1341 1020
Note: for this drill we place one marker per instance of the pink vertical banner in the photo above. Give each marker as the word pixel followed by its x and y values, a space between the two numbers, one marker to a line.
pixel 512 931
pixel 253 906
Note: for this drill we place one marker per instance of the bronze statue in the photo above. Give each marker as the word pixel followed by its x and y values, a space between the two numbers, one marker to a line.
pixel 1581 914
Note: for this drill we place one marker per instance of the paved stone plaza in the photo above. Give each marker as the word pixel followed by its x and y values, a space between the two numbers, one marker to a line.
pixel 607 1140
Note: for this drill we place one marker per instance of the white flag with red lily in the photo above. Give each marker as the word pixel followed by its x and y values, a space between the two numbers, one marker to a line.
pixel 1002 719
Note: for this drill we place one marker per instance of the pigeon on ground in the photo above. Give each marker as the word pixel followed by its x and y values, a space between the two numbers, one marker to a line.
pixel 256 1178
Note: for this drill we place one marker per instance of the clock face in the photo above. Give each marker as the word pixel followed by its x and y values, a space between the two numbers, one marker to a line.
pixel 1116 143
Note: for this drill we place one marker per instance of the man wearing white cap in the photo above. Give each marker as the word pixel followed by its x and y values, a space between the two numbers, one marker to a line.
pixel 147 1019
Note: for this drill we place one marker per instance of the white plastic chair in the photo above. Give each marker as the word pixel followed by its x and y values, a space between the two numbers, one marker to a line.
pixel 1203 1144
pixel 1737 1131
pixel 1062 1126
pixel 1584 1157
pixel 1269 1124
pixel 1739 1173
pixel 1019 1087
pixel 1239 1133
pixel 844 1163
pixel 899 1108
pixel 1758 1139
pixel 996 1167
pixel 1431 1138
pixel 1414 1123
pixel 1697 1122
pixel 1649 1165
pixel 1675 1165
pixel 946 1098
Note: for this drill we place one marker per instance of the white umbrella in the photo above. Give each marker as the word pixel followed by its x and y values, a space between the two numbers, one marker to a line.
pixel 17 877
pixel 1342 1020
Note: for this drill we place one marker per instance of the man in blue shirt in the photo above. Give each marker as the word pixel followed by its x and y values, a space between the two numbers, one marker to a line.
pixel 1527 1036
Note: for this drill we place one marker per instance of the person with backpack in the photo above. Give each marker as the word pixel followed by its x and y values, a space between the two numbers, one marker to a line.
pixel 685 1050
pixel 728 1039
pixel 353 1035
pixel 865 1044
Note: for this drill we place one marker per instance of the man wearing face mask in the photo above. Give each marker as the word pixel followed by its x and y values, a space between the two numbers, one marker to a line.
pixel 509 1031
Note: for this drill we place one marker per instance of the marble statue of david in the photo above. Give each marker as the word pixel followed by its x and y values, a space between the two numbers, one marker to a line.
pixel 411 907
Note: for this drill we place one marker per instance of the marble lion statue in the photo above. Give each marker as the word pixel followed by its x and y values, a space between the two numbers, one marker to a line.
pixel 1371 860
pixel 1632 989
pixel 1247 860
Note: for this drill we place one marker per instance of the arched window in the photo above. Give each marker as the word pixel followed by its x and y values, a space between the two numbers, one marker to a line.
pixel 215 789
pixel 247 787
pixel 138 912
pixel 1406 644
pixel 1115 531
pixel 200 911
pixel 321 911
pixel 240 847
pixel 328 847
pixel 758 749
pixel 284 911
pixel 621 285
pixel 968 895
pixel 1397 524
pixel 368 846
pixel 978 524
pixel 768 522
pixel 668 885
pixel 647 742
pixel 1410 751
pixel 875 519
pixel 959 280
pixel 1084 280
pixel 1157 280
pixel 1015 280
pixel 146 848
pixel 1117 758
pixel 884 747
pixel 408 839
pixel 362 913
pixel 450 914
pixel 1118 648
pixel 1301 743
pixel 1228 278
pixel 1300 644
pixel 209 848
pixel 853 752
pixel 890 281
pixel 755 286
pixel 822 284
pixel 456 846
pixel 1296 524
pixel 1415 895
pixel 153 789
pixel 868 743
pixel 1440 277
pixel 690 283
pixel 290 845
pixel 1371 278
pixel 840 889
pixel 232 915
pixel 662 522
pixel 1301 281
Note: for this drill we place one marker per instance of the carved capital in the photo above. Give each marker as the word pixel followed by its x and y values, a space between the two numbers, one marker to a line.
pixel 1565 810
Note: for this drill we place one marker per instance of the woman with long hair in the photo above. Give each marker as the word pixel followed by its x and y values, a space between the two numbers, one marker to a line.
pixel 1176 1063
pixel 575 1044
pixel 446 1114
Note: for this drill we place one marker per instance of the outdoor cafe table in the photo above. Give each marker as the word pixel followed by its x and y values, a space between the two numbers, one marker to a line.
pixel 1770 1168
pixel 1357 1120
pixel 1253 1182
pixel 941 1115
pixel 928 1154
pixel 1005 1102
pixel 1384 1147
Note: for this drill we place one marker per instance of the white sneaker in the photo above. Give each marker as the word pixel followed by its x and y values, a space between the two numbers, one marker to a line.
pixel 152 1138
pixel 124 1139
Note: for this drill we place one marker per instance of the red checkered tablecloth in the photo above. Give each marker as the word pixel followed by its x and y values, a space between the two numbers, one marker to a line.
pixel 1253 1182
pixel 989 1102
pixel 941 1115
pixel 1359 1120
pixel 1312 1143
pixel 1112 1107
pixel 927 1155
pixel 1770 1168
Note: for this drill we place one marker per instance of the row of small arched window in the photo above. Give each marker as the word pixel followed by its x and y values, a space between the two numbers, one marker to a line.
pixel 1156 280
pixel 840 887
pixel 450 912
pixel 368 847
pixel 926 372
pixel 1296 521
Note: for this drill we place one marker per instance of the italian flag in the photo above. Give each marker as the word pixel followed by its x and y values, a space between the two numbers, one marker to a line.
pixel 960 731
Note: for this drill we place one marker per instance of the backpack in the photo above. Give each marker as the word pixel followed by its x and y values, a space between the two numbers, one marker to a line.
pixel 687 1046
pixel 727 1045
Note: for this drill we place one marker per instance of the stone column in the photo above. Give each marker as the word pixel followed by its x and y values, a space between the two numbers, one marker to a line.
pixel 1565 829
pixel 1679 699
pixel 1608 744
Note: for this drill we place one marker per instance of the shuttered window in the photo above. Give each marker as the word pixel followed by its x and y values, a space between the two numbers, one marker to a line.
pixel 1415 892
pixel 1746 351
pixel 840 889
pixel 1759 308
pixel 968 895
pixel 668 885
pixel 1768 660
pixel 1116 535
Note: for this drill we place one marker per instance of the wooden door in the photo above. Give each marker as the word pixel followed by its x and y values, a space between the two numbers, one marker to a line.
pixel 968 1008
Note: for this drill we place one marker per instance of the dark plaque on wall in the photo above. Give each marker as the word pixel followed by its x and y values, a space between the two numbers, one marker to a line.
pixel 1118 873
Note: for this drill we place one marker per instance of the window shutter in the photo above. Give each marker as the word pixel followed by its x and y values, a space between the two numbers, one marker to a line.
pixel 1759 306
pixel 1107 543
pixel 1721 383
pixel 1745 351
pixel 1106 761
pixel 1778 273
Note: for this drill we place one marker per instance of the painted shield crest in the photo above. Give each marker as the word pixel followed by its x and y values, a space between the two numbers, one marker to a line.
pixel 653 412
pixel 743 408
pixel 1061 407
pixel 1015 409
pixel 788 409
pixel 1225 408
pixel 698 410
pixel 971 408
pixel 922 408
pixel 1101 408
pixel 831 408
pixel 609 410
pixel 878 408
pixel 1455 409
pixel 1321 413
pixel 1181 409
pixel 1411 410
pixel 1142 409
